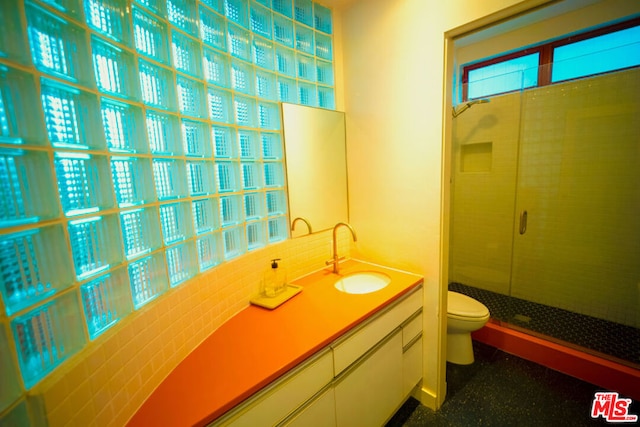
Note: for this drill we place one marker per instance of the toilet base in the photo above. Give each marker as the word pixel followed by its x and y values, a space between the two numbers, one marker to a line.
pixel 460 348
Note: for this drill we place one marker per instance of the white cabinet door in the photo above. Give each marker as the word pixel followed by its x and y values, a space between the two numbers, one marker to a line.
pixel 371 390
pixel 320 412
pixel 411 366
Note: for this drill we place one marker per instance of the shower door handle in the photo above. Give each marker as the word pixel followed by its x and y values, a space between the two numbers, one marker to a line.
pixel 523 222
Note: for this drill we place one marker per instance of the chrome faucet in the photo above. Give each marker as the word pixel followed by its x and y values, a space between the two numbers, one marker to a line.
pixel 303 219
pixel 336 258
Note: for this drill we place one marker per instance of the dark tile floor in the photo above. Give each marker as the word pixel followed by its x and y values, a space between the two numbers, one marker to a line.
pixel 601 337
pixel 502 390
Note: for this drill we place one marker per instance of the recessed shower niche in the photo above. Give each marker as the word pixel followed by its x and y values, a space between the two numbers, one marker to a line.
pixel 476 157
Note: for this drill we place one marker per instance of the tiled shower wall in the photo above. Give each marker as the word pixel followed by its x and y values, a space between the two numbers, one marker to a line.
pixel 106 383
pixel 578 149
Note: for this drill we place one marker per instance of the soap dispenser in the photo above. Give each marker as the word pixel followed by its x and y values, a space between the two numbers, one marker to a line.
pixel 275 281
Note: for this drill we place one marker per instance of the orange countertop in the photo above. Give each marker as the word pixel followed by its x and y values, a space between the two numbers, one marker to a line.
pixel 257 345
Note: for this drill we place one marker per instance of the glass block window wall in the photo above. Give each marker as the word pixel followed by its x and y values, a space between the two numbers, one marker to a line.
pixel 140 145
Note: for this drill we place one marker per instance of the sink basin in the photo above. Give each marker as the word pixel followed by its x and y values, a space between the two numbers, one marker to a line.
pixel 362 283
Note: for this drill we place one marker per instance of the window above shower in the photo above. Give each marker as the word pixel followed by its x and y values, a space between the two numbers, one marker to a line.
pixel 612 48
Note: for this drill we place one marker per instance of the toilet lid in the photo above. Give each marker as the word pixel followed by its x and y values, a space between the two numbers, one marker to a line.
pixel 462 305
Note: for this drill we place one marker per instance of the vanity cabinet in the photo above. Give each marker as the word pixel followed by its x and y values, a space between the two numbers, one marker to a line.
pixel 362 378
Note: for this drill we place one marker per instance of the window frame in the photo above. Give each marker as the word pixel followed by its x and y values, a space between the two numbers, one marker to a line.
pixel 546 56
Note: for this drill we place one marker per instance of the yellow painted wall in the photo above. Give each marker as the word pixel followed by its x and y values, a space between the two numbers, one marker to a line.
pixel 394 81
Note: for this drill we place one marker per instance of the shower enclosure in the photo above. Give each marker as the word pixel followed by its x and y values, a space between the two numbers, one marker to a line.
pixel 545 214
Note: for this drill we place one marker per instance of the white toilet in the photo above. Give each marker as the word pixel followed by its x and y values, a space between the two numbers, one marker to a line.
pixel 464 315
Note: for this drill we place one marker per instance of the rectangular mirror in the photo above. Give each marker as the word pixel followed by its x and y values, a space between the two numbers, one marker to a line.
pixel 316 165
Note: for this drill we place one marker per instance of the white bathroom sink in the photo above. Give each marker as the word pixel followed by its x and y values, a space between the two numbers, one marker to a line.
pixel 362 283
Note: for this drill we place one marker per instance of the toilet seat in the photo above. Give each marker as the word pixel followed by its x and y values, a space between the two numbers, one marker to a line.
pixel 464 307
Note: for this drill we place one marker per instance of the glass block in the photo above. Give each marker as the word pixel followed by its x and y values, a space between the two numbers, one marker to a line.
pixel 109 17
pixel 245 111
pixel 324 46
pixel 326 98
pixel 209 251
pixel 224 140
pixel 150 36
pixel 132 180
pixel 322 19
pixel 156 6
pixel 242 77
pixel 234 242
pixel 303 12
pixel 201 178
pixel 305 41
pixel 217 5
pixel 182 14
pixel 287 90
pixel 278 229
pixel 68 7
pixel 122 130
pixel 114 69
pixel 266 85
pixel 251 175
pixel 191 96
pixel 95 244
pixel 84 183
pixel 170 177
pixel 17 95
pixel 162 131
pixel 269 115
pixel 263 53
pixel 140 231
pixel 176 222
pixel 286 61
pixel 306 66
pixel 46 336
pixel 284 7
pixel 239 42
pixel 237 11
pixel 216 68
pixel 260 20
pixel 205 215
pixel 273 174
pixel 266 3
pixel 324 72
pixel 271 145
pixel 256 235
pixel 249 144
pixel 212 29
pixel 106 300
pixel 12 47
pixel 186 54
pixel 283 30
pixel 220 105
pixel 27 193
pixel 147 278
pixel 307 94
pixel 254 206
pixel 276 202
pixel 195 138
pixel 156 85
pixel 227 177
pixel 34 264
pixel 11 389
pixel 58 47
pixel 182 263
pixel 71 116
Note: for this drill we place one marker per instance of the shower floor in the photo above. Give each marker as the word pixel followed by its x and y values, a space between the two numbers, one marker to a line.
pixel 601 337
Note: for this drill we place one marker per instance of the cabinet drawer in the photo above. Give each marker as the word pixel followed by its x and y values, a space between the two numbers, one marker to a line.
pixel 319 412
pixel 348 349
pixel 411 366
pixel 280 399
pixel 411 328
